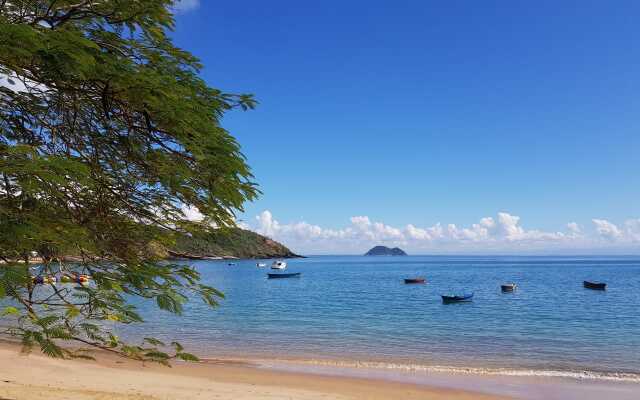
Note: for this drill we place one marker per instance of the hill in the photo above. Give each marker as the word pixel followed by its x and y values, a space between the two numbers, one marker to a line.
pixel 230 243
pixel 385 251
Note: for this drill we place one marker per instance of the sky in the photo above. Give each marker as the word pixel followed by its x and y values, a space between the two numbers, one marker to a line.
pixel 439 126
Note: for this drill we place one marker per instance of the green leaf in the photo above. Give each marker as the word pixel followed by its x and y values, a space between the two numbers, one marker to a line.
pixel 116 135
pixel 9 310
pixel 187 357
pixel 72 312
pixel 153 341
pixel 177 346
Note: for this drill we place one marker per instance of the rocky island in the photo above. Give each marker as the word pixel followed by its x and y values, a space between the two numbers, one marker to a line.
pixel 385 251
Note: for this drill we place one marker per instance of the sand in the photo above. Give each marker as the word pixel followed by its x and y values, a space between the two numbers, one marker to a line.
pixel 37 377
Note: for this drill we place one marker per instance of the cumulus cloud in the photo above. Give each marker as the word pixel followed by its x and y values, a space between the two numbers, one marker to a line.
pixel 416 233
pixel 18 84
pixel 266 224
pixel 508 226
pixel 10 82
pixel 606 229
pixel 574 228
pixel 191 213
pixel 504 232
pixel 632 229
pixel 374 230
pixel 186 5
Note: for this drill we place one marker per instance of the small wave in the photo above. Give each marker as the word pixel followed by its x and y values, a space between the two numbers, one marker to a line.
pixel 374 365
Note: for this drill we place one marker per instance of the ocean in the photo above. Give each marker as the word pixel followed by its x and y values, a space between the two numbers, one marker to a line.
pixel 357 311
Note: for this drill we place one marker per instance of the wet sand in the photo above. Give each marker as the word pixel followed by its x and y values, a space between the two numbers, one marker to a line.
pixel 37 377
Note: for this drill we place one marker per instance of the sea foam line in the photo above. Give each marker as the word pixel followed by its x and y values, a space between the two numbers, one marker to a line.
pixel 374 365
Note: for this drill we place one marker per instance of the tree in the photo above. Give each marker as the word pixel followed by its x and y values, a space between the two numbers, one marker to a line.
pixel 107 136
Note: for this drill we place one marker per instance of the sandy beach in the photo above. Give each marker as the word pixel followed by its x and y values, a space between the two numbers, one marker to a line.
pixel 37 377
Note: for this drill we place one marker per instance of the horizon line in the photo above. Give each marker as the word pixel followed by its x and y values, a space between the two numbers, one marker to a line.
pixel 472 255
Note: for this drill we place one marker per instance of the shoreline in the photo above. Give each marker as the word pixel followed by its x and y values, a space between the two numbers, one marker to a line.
pixel 525 385
pixel 37 377
pixel 252 379
pixel 401 367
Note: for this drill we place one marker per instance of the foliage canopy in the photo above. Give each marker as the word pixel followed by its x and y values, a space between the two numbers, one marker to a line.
pixel 107 134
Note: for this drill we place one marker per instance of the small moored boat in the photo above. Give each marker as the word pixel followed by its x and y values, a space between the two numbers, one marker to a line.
pixel 42 280
pixel 508 287
pixel 260 265
pixel 414 280
pixel 457 299
pixel 82 279
pixel 281 275
pixel 594 285
pixel 279 264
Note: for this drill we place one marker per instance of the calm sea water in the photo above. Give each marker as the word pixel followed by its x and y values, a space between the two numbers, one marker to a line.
pixel 358 309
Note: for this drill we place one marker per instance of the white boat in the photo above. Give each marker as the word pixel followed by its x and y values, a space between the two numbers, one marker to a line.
pixel 279 264
pixel 261 264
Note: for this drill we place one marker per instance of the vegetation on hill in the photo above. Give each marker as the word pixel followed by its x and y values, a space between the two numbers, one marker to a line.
pixel 232 242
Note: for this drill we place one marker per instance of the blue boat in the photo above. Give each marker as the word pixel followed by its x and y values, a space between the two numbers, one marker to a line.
pixel 457 299
pixel 288 275
pixel 594 285
pixel 508 287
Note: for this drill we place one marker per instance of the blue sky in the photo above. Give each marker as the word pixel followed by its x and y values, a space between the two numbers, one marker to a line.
pixel 418 113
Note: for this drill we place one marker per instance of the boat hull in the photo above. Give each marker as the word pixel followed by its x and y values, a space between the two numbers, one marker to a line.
pixel 410 281
pixel 508 288
pixel 594 285
pixel 457 299
pixel 282 276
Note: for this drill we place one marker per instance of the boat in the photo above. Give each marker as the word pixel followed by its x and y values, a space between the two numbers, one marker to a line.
pixel 508 287
pixel 259 265
pixel 594 285
pixel 414 280
pixel 82 279
pixel 281 275
pixel 42 280
pixel 231 264
pixel 279 264
pixel 457 299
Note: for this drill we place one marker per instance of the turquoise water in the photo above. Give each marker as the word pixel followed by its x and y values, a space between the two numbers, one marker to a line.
pixel 357 309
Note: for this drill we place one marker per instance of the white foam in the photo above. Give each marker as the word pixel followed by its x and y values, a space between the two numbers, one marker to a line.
pixel 413 368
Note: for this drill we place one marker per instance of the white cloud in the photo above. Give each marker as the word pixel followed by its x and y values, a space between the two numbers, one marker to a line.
pixel 574 228
pixel 413 232
pixel 374 230
pixel 186 5
pixel 606 229
pixel 632 229
pixel 266 224
pixel 503 233
pixel 19 84
pixel 508 226
pixel 10 82
pixel 191 213
pixel 487 222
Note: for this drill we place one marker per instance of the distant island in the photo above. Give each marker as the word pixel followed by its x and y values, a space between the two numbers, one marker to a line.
pixel 385 251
